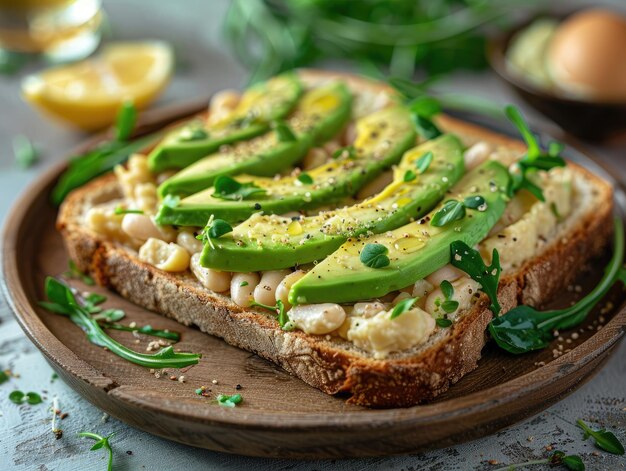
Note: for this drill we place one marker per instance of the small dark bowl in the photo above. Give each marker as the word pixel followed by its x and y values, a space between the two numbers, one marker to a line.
pixel 584 119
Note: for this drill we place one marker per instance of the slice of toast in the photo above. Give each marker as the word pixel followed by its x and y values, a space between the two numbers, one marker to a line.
pixel 330 363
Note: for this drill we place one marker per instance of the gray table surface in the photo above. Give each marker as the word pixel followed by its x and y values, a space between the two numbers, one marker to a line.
pixel 26 440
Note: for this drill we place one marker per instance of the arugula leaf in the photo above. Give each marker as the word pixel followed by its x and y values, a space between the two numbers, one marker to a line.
pixel 26 155
pixel 424 162
pixel 604 439
pixel 228 188
pixel 465 258
pixel 374 256
pixel 101 442
pixel 283 131
pixel 425 127
pixel 524 328
pixel 534 159
pixel 402 307
pixel 61 295
pixel 451 211
pixel 229 401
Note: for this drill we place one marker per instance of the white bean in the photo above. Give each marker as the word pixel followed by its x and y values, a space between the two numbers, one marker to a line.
pixel 447 272
pixel 282 292
pixel 421 288
pixel 140 227
pixel 317 319
pixel 265 292
pixel 242 287
pixel 215 280
pixel 476 154
pixel 188 240
pixel 368 309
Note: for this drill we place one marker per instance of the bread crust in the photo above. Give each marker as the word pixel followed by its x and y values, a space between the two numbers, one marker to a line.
pixel 320 362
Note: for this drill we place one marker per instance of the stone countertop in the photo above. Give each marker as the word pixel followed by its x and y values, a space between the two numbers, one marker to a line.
pixel 26 439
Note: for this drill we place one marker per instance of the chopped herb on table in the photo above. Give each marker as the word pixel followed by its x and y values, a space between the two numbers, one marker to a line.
pixel 571 462
pixel 604 439
pixel 62 301
pixel 229 401
pixel 19 397
pixel 4 377
pixel 101 442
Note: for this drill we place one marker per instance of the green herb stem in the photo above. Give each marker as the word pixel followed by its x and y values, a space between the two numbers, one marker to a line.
pixel 148 330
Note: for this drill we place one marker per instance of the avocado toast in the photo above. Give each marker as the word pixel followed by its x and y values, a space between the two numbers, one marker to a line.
pixel 345 339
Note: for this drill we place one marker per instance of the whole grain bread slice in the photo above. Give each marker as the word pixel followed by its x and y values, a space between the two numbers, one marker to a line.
pixel 329 363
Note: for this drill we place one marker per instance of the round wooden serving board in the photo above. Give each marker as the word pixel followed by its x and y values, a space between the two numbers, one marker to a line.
pixel 281 416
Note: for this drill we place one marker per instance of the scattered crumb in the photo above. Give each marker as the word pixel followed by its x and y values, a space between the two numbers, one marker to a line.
pixel 531 438
pixel 214 381
pixel 105 418
pixel 549 448
pixel 575 336
pixel 493 462
pixel 132 325
pixel 181 379
pixel 238 387
pixel 173 378
pixel 128 452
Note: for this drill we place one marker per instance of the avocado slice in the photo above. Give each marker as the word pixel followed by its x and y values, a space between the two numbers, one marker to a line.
pixel 271 242
pixel 414 250
pixel 260 104
pixel 319 115
pixel 382 137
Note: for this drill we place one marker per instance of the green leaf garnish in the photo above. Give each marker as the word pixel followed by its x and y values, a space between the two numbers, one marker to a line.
pixel 305 178
pixel 424 162
pixel 283 131
pixel 125 121
pixel 449 305
pixel 229 401
pixel 243 283
pixel 409 176
pixel 146 329
pixel 425 127
pixel 281 313
pixel 571 462
pixel 443 322
pixel 228 188
pixel 214 229
pixel 4 377
pixel 465 258
pixel 61 296
pixel 26 155
pixel 474 202
pixel 374 256
pixel 534 159
pixel 451 211
pixel 604 439
pixel 402 307
pixel 101 442
pixel 524 328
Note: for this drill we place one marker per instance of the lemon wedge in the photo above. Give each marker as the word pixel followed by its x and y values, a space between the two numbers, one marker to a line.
pixel 89 93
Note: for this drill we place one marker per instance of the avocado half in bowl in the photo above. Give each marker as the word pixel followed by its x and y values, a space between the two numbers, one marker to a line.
pixel 587 119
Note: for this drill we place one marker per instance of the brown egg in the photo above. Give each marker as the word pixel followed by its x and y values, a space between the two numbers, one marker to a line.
pixel 587 55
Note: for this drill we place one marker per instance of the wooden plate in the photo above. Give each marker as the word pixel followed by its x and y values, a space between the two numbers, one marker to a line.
pixel 281 416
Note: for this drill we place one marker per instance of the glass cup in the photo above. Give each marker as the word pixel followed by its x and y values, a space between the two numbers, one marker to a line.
pixel 60 29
